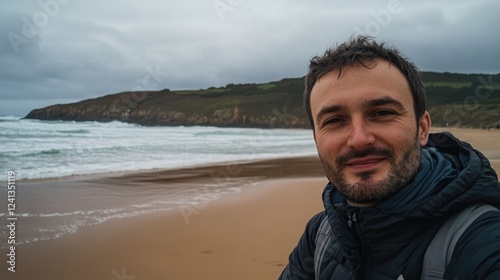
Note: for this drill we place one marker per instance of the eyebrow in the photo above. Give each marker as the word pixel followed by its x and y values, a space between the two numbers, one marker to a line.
pixel 386 100
pixel 328 110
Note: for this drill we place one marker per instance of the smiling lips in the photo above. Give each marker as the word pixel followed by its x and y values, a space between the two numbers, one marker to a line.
pixel 365 163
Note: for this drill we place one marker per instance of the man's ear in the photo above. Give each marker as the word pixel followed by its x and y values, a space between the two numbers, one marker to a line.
pixel 424 127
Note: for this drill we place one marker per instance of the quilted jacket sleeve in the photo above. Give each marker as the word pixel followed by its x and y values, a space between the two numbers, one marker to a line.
pixel 301 261
pixel 477 253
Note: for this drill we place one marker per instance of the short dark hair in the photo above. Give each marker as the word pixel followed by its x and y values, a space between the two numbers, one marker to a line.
pixel 360 51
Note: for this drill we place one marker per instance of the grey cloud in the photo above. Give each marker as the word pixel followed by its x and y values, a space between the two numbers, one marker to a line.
pixel 91 48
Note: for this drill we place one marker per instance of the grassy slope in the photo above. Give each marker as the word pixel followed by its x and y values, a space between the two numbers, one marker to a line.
pixel 458 100
pixel 461 100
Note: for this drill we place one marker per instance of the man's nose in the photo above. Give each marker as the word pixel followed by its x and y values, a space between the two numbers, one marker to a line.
pixel 361 134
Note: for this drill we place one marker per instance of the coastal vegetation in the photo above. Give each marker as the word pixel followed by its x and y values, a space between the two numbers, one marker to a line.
pixel 453 100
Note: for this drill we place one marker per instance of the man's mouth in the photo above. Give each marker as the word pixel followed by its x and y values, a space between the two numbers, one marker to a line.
pixel 364 164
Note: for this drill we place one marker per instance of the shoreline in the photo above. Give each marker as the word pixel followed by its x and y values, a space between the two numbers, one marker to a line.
pixel 461 133
pixel 125 173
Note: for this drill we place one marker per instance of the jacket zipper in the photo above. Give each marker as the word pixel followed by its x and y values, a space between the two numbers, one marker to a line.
pixel 353 224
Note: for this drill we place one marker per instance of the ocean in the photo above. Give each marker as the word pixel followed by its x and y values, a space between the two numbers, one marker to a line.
pixel 52 149
pixel 56 164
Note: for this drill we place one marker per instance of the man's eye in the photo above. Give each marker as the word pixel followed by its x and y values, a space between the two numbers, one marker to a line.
pixel 382 113
pixel 333 121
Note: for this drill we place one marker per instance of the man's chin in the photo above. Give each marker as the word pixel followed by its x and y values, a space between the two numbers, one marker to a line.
pixel 364 178
pixel 367 191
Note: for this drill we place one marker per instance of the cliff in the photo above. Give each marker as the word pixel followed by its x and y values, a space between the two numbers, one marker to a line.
pixel 273 105
pixel 457 100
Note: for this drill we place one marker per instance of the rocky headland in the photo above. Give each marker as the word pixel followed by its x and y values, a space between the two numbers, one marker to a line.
pixel 454 100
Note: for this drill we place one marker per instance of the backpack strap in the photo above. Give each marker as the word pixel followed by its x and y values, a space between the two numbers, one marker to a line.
pixel 440 250
pixel 322 239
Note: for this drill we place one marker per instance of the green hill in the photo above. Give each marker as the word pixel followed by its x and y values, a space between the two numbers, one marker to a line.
pixel 457 100
pixel 463 100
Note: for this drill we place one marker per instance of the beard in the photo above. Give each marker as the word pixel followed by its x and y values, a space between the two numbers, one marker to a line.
pixel 367 190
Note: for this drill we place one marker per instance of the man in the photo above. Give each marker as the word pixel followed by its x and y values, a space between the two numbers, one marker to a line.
pixel 392 183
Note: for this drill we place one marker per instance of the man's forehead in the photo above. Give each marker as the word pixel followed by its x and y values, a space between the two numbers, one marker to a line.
pixel 379 82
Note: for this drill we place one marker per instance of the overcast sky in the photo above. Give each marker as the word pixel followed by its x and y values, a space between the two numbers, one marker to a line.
pixel 61 51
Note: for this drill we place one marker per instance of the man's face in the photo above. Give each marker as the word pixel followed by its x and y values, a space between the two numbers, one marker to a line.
pixel 365 130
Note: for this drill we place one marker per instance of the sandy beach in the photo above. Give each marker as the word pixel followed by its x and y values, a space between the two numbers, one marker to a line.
pixel 242 235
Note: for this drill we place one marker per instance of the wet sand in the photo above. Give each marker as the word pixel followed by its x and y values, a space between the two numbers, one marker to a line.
pixel 218 239
pixel 245 235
